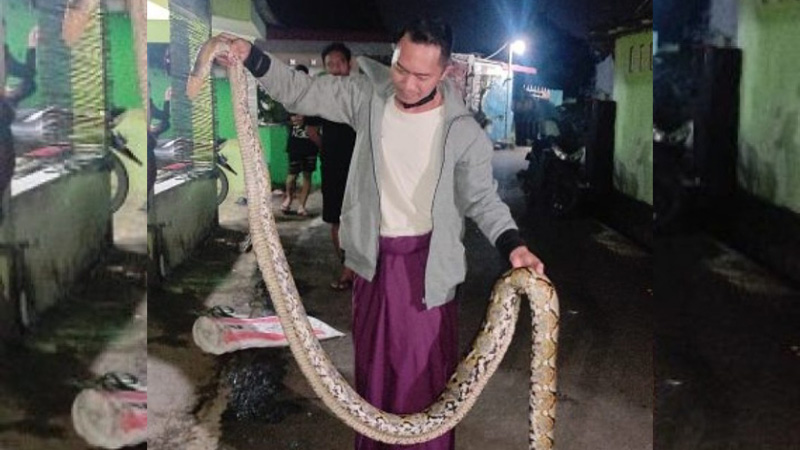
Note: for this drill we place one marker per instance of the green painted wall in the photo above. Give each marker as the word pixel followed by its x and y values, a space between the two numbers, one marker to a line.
pixel 123 85
pixel 274 139
pixel 232 9
pixel 769 158
pixel 633 138
pixel 158 31
pixel 124 93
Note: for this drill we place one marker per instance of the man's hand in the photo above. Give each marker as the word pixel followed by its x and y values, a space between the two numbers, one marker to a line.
pixel 238 49
pixel 297 120
pixel 522 257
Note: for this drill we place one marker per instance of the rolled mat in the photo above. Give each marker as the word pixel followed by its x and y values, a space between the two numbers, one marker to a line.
pixel 218 335
pixel 111 418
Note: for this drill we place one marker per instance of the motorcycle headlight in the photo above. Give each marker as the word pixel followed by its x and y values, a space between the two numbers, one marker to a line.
pixel 658 135
pixel 560 154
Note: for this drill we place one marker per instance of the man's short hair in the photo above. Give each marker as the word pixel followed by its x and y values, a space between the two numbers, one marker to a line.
pixel 431 31
pixel 336 47
pixel 301 68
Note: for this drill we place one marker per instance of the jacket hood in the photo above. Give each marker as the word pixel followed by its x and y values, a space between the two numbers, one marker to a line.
pixel 381 79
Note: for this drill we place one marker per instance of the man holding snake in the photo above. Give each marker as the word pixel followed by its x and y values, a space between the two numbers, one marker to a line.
pixel 421 164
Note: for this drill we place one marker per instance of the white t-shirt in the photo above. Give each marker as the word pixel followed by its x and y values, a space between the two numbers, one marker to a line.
pixel 411 159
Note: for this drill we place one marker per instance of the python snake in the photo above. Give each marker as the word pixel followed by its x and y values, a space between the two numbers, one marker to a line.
pixel 472 373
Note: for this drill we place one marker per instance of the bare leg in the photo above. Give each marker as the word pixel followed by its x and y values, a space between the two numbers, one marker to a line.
pixel 304 191
pixel 335 239
pixel 290 187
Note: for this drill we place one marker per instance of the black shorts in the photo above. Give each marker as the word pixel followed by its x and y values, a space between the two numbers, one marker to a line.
pixel 306 164
pixel 334 181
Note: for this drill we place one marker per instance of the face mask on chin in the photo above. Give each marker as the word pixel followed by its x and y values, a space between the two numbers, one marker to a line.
pixel 427 99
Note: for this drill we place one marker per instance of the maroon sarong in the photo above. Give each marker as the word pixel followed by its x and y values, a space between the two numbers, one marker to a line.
pixel 404 353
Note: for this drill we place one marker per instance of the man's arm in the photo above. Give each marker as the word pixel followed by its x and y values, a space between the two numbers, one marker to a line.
pixel 477 190
pixel 332 97
pixel 26 72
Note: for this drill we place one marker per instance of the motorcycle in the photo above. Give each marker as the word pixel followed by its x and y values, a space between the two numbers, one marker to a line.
pixel 173 159
pixel 120 183
pixel 555 177
pixel 39 139
pixel 37 128
pixel 674 180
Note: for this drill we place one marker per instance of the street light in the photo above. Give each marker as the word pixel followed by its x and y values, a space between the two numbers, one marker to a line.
pixel 518 47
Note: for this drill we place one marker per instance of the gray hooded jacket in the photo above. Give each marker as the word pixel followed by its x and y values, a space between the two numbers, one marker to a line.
pixel 466 187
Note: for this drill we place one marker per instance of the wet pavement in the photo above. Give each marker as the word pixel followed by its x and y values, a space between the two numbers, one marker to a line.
pixel 234 402
pixel 100 326
pixel 721 339
pixel 727 350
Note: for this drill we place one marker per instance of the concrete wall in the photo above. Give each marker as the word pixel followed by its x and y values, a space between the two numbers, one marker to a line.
pixel 186 212
pixel 66 223
pixel 769 158
pixel 633 92
pixel 60 215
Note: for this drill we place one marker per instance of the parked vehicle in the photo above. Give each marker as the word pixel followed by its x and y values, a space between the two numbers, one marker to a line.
pixel 173 158
pixel 556 176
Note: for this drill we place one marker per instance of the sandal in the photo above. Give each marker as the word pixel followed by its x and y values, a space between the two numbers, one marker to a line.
pixel 286 209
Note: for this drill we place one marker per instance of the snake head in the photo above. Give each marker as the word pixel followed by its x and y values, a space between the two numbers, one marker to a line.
pixel 77 16
pixel 201 70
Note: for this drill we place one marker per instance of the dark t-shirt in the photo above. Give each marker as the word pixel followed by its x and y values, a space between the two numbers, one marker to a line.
pixel 337 149
pixel 338 140
pixel 300 145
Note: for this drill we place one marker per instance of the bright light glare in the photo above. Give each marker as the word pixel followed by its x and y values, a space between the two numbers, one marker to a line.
pixel 518 46
pixel 156 12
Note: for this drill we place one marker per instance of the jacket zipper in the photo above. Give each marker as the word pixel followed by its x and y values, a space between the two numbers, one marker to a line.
pixel 377 186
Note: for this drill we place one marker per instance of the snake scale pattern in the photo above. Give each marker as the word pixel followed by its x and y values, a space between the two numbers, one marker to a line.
pixel 472 373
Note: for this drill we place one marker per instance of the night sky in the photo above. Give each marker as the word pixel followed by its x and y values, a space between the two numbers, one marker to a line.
pixel 479 25
pixel 554 29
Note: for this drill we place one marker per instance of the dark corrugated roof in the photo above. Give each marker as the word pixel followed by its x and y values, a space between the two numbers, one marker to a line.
pixel 298 34
pixel 346 15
